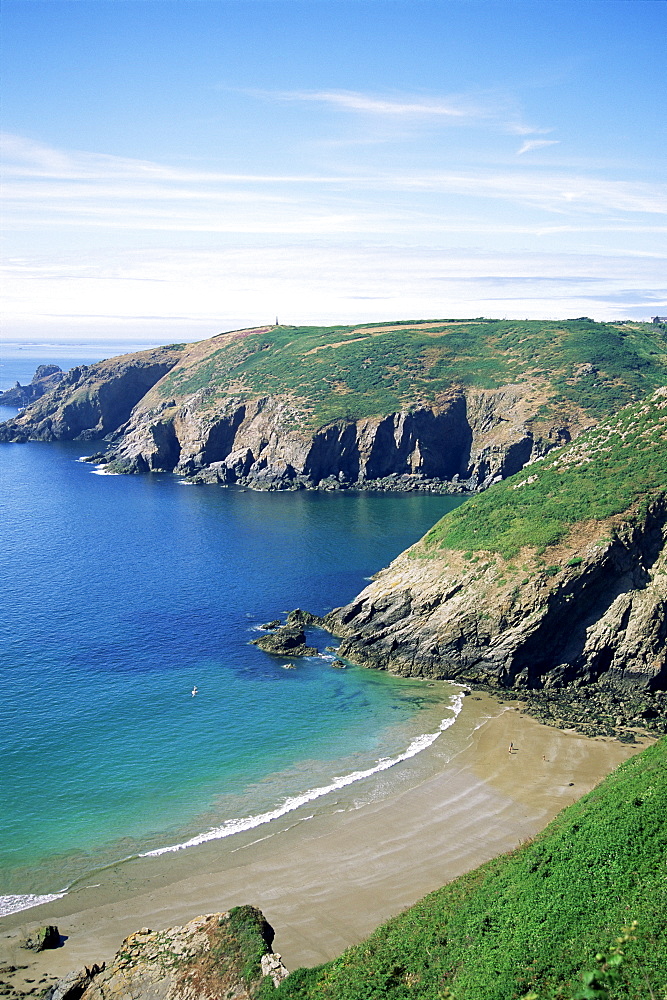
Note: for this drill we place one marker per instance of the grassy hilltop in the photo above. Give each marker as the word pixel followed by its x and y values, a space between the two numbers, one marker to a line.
pixel 352 372
pixel 530 923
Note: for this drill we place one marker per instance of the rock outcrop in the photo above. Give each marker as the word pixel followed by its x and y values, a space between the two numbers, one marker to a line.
pixel 43 938
pixel 596 615
pixel 90 401
pixel 217 955
pixel 603 617
pixel 286 640
pixel 45 378
pixel 469 438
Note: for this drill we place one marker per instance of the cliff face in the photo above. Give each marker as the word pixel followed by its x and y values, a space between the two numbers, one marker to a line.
pixel 554 578
pixel 603 619
pixel 469 436
pixel 401 406
pixel 91 400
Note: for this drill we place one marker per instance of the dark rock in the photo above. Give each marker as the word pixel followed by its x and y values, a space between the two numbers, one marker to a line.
pixel 303 619
pixel 73 985
pixel 43 938
pixel 276 623
pixel 91 400
pixel 285 641
pixel 43 371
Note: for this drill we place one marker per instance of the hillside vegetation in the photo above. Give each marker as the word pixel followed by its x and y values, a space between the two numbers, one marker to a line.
pixel 616 467
pixel 530 924
pixel 352 372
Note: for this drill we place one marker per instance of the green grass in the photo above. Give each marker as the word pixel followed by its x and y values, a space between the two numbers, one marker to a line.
pixel 616 467
pixel 532 920
pixel 242 943
pixel 595 366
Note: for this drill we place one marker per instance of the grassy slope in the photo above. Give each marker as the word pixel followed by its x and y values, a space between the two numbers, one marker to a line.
pixel 533 919
pixel 361 371
pixel 616 467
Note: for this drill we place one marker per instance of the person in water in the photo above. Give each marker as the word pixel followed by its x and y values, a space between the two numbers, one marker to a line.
pixel 194 691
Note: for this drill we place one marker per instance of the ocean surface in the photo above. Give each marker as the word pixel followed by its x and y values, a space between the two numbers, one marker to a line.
pixel 119 595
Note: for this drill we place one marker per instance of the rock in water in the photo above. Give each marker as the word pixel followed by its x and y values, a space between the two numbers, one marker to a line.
pixel 288 640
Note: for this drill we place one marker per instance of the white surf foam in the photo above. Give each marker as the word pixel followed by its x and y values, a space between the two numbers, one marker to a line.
pixel 14 904
pixel 232 826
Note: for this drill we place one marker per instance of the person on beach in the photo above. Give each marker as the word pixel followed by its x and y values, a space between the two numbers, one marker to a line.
pixel 511 748
pixel 194 691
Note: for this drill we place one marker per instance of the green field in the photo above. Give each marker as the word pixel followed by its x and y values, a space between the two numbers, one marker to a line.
pixel 351 372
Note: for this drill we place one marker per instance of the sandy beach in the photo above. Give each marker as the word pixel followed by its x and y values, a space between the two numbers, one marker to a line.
pixel 325 883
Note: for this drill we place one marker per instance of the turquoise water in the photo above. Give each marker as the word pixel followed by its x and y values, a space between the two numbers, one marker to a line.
pixel 120 594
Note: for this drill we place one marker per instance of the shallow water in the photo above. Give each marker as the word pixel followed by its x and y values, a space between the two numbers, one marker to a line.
pixel 120 594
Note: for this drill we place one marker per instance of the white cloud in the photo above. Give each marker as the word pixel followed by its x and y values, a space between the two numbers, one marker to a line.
pixel 530 144
pixel 368 104
pixel 191 293
pixel 47 188
pixel 317 247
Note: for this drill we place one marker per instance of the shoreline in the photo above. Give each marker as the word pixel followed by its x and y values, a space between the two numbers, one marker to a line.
pixel 325 880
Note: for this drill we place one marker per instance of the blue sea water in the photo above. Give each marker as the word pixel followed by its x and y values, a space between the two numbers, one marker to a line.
pixel 119 594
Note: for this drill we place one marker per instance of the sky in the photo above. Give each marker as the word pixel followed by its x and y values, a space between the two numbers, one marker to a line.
pixel 175 169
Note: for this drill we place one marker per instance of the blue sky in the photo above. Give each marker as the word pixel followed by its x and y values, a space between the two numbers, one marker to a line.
pixel 174 169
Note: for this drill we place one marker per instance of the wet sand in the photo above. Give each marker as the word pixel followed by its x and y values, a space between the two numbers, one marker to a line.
pixel 325 883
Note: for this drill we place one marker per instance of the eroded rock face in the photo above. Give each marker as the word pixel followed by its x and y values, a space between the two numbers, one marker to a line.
pixel 217 955
pixel 600 621
pixel 469 439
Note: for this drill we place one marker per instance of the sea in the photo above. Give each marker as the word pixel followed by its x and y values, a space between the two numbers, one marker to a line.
pixel 122 594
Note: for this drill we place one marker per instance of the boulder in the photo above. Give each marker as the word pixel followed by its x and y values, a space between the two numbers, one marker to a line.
pixel 43 938
pixel 288 640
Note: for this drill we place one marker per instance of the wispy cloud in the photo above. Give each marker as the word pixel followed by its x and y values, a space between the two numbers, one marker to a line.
pixel 530 144
pixel 372 229
pixel 50 182
pixel 189 291
pixel 486 110
pixel 393 107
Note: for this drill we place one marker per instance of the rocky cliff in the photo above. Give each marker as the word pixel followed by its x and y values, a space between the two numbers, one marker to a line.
pixel 400 406
pixel 467 437
pixel 91 400
pixel 218 955
pixel 477 602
